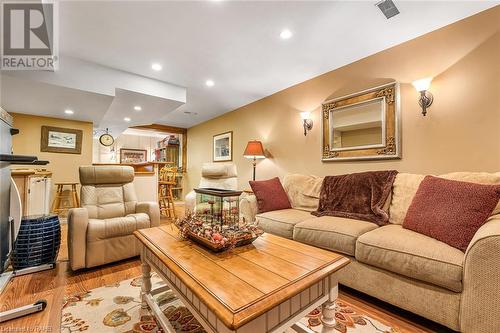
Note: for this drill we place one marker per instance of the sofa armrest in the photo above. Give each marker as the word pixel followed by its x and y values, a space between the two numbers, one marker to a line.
pixel 248 207
pixel 152 209
pixel 78 220
pixel 481 280
pixel 190 202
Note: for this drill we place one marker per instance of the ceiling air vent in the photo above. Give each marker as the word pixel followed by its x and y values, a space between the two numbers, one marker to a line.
pixel 388 8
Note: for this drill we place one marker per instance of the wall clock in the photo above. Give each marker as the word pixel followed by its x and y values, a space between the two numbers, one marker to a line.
pixel 106 139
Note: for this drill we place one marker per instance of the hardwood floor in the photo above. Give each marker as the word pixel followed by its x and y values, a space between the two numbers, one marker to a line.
pixel 54 284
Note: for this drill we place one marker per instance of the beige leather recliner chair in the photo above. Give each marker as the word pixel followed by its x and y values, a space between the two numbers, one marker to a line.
pixel 102 230
pixel 213 175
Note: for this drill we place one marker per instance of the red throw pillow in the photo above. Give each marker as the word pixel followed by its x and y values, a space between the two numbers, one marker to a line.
pixel 451 211
pixel 270 195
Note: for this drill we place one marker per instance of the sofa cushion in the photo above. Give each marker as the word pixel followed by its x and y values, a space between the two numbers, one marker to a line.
pixel 303 191
pixel 413 255
pixel 281 222
pixel 116 227
pixel 403 190
pixel 485 178
pixel 270 195
pixel 406 185
pixel 451 211
pixel 333 233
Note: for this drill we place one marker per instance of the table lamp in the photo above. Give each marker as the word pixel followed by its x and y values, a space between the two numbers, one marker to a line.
pixel 254 150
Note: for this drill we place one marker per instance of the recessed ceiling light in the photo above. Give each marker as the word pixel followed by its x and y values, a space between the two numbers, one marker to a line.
pixel 156 67
pixel 137 108
pixel 209 83
pixel 286 34
pixel 127 119
pixel 68 111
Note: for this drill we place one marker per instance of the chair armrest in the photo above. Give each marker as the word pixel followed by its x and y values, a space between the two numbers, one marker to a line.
pixel 152 209
pixel 190 202
pixel 481 280
pixel 248 207
pixel 78 220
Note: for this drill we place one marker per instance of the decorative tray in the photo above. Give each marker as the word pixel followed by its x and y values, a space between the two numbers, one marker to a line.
pixel 217 238
pixel 218 247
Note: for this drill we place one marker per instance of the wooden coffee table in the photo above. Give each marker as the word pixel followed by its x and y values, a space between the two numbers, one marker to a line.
pixel 266 286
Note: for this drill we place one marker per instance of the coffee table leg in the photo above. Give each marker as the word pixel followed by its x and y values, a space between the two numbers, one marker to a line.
pixel 146 283
pixel 328 308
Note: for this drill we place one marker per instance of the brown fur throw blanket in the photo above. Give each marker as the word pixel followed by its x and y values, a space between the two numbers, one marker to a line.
pixel 360 196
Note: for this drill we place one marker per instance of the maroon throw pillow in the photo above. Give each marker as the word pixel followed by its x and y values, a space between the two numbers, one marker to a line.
pixel 270 195
pixel 451 211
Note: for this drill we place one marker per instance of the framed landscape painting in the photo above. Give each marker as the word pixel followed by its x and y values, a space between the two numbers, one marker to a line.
pixel 61 140
pixel 223 147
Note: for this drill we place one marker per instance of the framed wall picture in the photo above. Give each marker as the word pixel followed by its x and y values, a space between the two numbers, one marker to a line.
pixel 133 155
pixel 61 140
pixel 223 147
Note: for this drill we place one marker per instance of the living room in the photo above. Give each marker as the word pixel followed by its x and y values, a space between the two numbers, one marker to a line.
pixel 275 167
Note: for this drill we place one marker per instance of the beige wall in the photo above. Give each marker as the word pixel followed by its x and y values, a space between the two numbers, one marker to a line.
pixel 63 166
pixel 461 130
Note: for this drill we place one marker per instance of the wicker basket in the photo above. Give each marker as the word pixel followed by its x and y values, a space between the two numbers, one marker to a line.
pixel 37 242
pixel 240 241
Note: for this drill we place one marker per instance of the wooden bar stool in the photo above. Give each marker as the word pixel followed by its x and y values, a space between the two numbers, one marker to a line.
pixel 57 204
pixel 166 181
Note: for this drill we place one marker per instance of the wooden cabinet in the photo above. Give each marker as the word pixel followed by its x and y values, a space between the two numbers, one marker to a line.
pixel 35 187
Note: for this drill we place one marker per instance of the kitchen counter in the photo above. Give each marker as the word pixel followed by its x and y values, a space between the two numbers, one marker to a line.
pixel 145 180
pixel 142 168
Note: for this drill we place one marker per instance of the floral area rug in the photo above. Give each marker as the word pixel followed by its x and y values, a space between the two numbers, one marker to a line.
pixel 348 320
pixel 117 308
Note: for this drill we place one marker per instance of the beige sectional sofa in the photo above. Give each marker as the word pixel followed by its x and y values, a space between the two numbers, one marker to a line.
pixel 412 271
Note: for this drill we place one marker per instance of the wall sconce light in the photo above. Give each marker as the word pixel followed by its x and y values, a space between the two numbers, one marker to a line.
pixel 308 123
pixel 426 97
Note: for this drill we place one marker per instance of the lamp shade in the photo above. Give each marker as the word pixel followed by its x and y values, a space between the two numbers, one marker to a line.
pixel 254 149
pixel 305 115
pixel 422 84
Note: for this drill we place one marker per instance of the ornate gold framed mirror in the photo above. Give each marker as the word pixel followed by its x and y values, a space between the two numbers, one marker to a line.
pixel 362 126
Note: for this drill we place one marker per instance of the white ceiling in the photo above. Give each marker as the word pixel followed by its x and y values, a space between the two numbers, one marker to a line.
pixel 39 98
pixel 96 93
pixel 235 43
